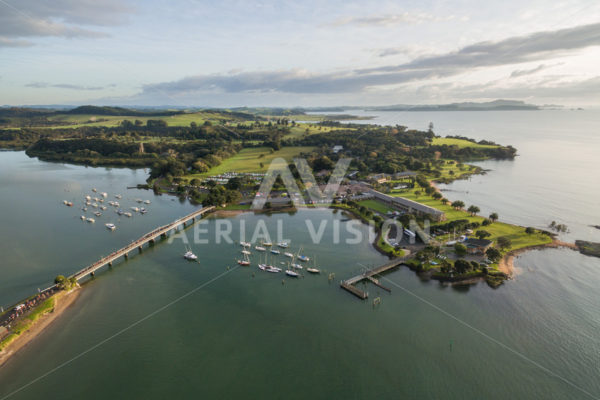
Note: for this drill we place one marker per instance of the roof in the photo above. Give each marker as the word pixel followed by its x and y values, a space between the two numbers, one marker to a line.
pixel 407 203
pixel 477 242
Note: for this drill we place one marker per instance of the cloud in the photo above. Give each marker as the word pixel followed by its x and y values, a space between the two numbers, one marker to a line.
pixel 523 72
pixel 405 18
pixel 533 47
pixel 59 18
pixel 44 85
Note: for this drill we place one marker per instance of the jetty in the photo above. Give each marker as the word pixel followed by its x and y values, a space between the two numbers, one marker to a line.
pixel 349 284
pixel 150 237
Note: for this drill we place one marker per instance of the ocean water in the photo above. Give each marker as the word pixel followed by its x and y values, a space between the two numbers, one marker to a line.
pixel 157 326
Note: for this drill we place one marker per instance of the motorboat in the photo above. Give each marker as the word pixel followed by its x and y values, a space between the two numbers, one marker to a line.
pixel 291 273
pixel 275 251
pixel 260 248
pixel 190 256
pixel 110 226
pixel 91 220
pixel 97 213
pixel 283 244
pixel 290 255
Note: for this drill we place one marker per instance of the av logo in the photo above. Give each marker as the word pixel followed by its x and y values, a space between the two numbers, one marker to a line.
pixel 279 168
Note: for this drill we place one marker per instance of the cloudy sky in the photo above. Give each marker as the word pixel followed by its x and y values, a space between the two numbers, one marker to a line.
pixel 303 53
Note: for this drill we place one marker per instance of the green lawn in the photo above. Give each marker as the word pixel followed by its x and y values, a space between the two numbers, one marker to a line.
pixel 376 205
pixel 250 159
pixel 460 143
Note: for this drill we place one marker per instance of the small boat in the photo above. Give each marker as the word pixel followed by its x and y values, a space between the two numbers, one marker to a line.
pixel 290 255
pixel 267 244
pixel 143 210
pixel 111 203
pixel 245 244
pixel 260 248
pixel 103 208
pixel 116 204
pixel 104 194
pixel 96 199
pixel 263 267
pixel 83 217
pixel 120 212
pixel 97 213
pixel 246 252
pixel 90 220
pixel 95 205
pixel 135 209
pixel 303 258
pixel 84 208
pixel 190 256
pixel 283 244
pixel 273 269
pixel 313 270
pixel 146 201
pixel 118 196
pixel 296 266
pixel 88 198
pixel 291 273
pixel 94 190
pixel 101 200
pixel 243 263
pixel 127 214
pixel 139 200
pixel 110 226
pixel 275 251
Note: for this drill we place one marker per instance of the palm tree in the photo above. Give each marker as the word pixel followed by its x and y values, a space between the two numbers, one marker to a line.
pixel 493 217
pixel 473 210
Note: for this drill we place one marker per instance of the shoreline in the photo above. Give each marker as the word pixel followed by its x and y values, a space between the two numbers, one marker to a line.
pixel 63 301
pixel 506 264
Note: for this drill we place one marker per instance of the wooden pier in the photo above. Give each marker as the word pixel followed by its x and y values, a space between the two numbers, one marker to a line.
pixel 349 284
pixel 150 237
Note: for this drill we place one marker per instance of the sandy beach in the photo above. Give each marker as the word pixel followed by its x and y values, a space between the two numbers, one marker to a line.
pixel 507 266
pixel 62 301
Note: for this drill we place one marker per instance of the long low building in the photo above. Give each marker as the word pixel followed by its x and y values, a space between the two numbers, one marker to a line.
pixel 408 205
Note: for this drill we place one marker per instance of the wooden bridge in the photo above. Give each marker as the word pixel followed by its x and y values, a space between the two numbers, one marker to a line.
pixel 348 284
pixel 150 237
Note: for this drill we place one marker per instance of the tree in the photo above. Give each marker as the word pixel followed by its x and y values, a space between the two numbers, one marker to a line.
pixel 486 222
pixel 493 217
pixel 444 200
pixel 457 205
pixel 504 242
pixel 234 183
pixel 437 195
pixel 460 249
pixel 473 210
pixel 529 230
pixel 482 234
pixel 493 254
pixel 461 266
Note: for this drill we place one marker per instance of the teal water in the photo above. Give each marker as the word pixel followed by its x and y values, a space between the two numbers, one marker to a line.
pixel 242 333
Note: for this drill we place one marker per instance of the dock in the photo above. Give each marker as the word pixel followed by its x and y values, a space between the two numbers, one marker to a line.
pixel 349 284
pixel 150 237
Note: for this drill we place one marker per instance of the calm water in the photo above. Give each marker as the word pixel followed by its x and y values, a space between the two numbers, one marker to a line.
pixel 246 334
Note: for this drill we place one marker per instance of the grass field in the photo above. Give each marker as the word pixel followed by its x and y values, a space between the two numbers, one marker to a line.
pixel 250 159
pixel 460 143
pixel 376 205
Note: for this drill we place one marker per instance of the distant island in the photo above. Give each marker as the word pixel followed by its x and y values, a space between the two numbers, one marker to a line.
pixel 496 105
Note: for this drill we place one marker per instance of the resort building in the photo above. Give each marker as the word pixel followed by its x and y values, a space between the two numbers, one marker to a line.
pixel 408 206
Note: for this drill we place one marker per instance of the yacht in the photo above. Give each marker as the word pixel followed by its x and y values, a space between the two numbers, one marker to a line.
pixel 110 226
pixel 291 273
pixel 135 209
pixel 83 217
pixel 273 269
pixel 290 255
pixel 127 214
pixel 243 263
pixel 260 248
pixel 104 194
pixel 146 201
pixel 95 205
pixel 246 252
pixel 296 266
pixel 94 190
pixel 118 196
pixel 88 198
pixel 275 251
pixel 190 256
pixel 267 244
pixel 303 258
pixel 283 244
pixel 90 220
pixel 97 213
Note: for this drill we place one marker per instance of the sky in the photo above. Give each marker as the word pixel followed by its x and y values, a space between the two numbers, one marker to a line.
pixel 303 53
